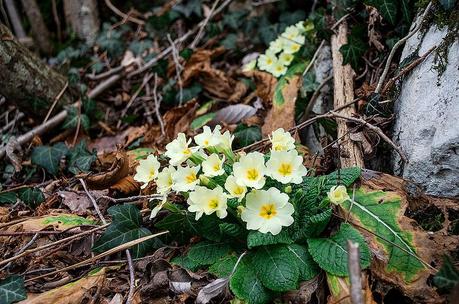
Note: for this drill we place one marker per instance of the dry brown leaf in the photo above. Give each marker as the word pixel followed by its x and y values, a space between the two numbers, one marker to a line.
pixel 126 185
pixel 58 221
pixel 118 170
pixel 178 119
pixel 78 202
pixel 110 144
pixel 266 84
pixel 283 116
pixel 304 292
pixel 233 114
pixel 72 293
pixel 374 37
pixel 340 290
pixel 14 153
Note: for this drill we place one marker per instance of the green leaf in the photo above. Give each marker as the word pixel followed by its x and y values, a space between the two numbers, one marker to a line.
pixel 309 83
pixel 185 262
pixel 202 120
pixel 232 230
pixel 448 276
pixel 80 159
pixel 448 4
pixel 256 238
pixel 308 268
pixel 124 228
pixel 353 51
pixel 406 10
pixel 12 290
pixel 344 176
pixel 49 157
pixel 276 267
pixel 245 283
pixel 388 9
pixel 223 267
pixel 207 252
pixel 71 121
pixel 331 253
pixel 379 212
pixel 8 198
pixel 296 69
pixel 31 196
pixel 190 92
pixel 244 136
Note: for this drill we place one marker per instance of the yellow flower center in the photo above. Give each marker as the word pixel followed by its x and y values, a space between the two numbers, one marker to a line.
pixel 238 190
pixel 216 167
pixel 279 68
pixel 252 174
pixel 268 211
pixel 190 178
pixel 285 169
pixel 170 181
pixel 187 151
pixel 213 203
pixel 269 61
pixel 295 47
pixel 206 142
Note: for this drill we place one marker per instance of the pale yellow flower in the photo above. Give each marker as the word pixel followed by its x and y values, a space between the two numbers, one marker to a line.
pixel 206 139
pixel 185 178
pixel 278 69
pixel 250 170
pixel 291 47
pixel 281 140
pixel 250 66
pixel 285 58
pixel 267 211
pixel 234 189
pixel 225 140
pixel 213 165
pixel 147 170
pixel 286 167
pixel 164 180
pixel 275 46
pixel 338 194
pixel 266 61
pixel 178 150
pixel 207 201
pixel 158 207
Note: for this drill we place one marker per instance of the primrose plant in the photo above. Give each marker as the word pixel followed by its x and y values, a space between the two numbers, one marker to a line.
pixel 259 206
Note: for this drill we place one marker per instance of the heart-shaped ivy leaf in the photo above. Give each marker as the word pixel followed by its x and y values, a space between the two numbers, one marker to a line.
pixel 48 157
pixel 12 290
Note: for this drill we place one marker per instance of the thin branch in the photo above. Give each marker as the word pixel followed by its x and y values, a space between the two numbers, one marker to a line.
pixel 397 45
pixel 178 67
pixel 132 198
pixel 93 201
pixel 157 106
pixel 30 243
pixel 203 26
pixel 355 275
pixel 123 15
pixel 314 57
pixel 131 277
pixel 314 97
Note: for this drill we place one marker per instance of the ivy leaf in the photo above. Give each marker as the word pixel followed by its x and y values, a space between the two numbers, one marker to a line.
pixel 353 51
pixel 8 198
pixel 378 212
pixel 32 196
pixel 71 121
pixel 308 268
pixel 246 284
pixel 207 252
pixel 388 9
pixel 223 267
pixel 406 10
pixel 49 157
pixel 80 159
pixel 448 276
pixel 276 267
pixel 256 238
pixel 331 253
pixel 124 228
pixel 12 290
pixel 244 136
pixel 447 4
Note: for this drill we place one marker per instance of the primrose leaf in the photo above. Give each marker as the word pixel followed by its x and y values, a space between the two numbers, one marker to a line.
pixel 207 252
pixel 246 284
pixel 276 267
pixel 308 268
pixel 223 267
pixel 202 120
pixel 12 290
pixel 331 253
pixel 48 157
pixel 378 212
pixel 256 238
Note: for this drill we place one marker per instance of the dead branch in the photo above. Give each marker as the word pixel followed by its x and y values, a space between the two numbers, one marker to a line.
pixel 355 275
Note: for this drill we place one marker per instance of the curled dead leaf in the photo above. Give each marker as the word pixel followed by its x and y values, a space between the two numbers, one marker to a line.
pixel 126 185
pixel 118 170
pixel 266 84
pixel 14 153
pixel 178 119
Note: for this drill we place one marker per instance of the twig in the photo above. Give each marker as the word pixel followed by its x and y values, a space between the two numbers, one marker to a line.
pixel 131 198
pixel 263 2
pixel 397 45
pixel 15 19
pixel 202 27
pixel 56 20
pixel 355 275
pixel 17 118
pixel 375 129
pixel 314 57
pixel 34 238
pixel 123 15
pixel 314 97
pixel 106 73
pixel 157 106
pixel 78 126
pixel 131 278
pixel 99 256
pixel 178 67
pixel 93 201
pixel 56 99
pixel 70 238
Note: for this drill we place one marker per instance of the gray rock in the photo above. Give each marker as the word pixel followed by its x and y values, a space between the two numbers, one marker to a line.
pixel 427 118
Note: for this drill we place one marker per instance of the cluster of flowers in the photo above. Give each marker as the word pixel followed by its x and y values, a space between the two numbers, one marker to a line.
pixel 243 177
pixel 280 53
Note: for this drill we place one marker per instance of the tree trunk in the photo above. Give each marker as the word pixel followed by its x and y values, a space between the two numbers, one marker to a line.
pixel 26 80
pixel 40 32
pixel 350 153
pixel 83 18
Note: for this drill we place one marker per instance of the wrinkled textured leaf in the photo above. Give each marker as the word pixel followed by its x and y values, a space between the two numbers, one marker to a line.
pixel 245 283
pixel 207 252
pixel 233 230
pixel 256 238
pixel 308 268
pixel 49 157
pixel 12 290
pixel 378 212
pixel 331 253
pixel 276 267
pixel 223 267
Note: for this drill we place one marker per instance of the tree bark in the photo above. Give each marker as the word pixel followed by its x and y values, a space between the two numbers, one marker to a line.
pixel 83 18
pixel 40 32
pixel 26 80
pixel 350 153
